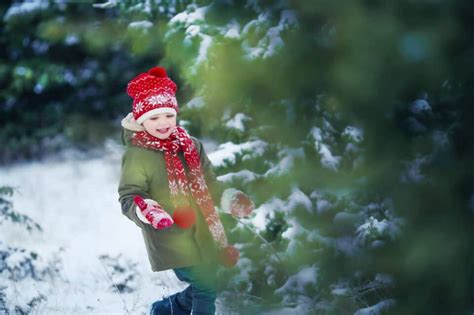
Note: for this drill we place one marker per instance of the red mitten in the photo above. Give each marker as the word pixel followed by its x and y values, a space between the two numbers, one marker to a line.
pixel 236 203
pixel 154 213
pixel 228 256
pixel 184 217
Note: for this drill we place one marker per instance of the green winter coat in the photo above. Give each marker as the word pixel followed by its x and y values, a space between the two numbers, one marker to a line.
pixel 144 173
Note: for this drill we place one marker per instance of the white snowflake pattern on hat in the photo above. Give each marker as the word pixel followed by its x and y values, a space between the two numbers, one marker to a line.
pixel 138 106
pixel 162 99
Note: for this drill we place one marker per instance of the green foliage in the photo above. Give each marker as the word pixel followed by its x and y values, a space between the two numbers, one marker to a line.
pixel 366 176
pixel 393 78
pixel 64 70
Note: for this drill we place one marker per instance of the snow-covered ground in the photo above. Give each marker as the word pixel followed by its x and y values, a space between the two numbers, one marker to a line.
pixel 75 201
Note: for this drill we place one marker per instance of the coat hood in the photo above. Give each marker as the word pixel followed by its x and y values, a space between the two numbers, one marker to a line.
pixel 128 122
pixel 129 127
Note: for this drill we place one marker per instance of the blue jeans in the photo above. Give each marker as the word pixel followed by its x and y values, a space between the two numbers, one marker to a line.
pixel 199 296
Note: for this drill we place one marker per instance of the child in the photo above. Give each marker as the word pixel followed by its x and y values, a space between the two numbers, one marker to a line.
pixel 168 189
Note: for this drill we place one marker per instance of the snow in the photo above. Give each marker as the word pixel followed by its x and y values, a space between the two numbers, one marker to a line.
pixel 420 106
pixel 192 20
pixel 38 88
pixel 377 308
pixel 340 291
pixel 140 25
pixel 19 295
pixel 188 18
pixel 193 30
pixel 237 122
pixel 374 228
pixel 322 206
pixel 270 274
pixel 209 144
pixel 105 5
pixel 75 201
pixel 288 19
pixel 16 259
pixel 71 39
pixel 143 8
pixel 245 176
pixel 197 102
pixel 328 160
pixel 25 8
pixel 271 42
pixel 293 231
pixel 206 42
pixel 265 210
pixel 316 133
pixel 298 198
pixel 341 288
pixel 226 152
pixel 275 42
pixel 288 157
pixel 232 30
pixel 353 133
pixel 74 198
pixel 297 283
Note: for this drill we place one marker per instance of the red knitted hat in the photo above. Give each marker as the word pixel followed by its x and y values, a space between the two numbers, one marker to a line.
pixel 153 93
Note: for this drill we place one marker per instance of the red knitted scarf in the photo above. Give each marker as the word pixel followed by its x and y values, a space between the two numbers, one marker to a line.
pixel 182 185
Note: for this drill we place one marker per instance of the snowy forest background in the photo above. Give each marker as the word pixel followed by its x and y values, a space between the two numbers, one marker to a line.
pixel 348 123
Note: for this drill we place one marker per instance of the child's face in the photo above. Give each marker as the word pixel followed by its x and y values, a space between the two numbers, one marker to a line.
pixel 160 125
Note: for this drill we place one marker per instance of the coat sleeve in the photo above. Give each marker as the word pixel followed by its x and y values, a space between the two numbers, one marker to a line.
pixel 133 181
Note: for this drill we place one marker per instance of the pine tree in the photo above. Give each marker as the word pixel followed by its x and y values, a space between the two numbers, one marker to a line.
pixel 339 115
pixel 22 268
pixel 349 124
pixel 64 69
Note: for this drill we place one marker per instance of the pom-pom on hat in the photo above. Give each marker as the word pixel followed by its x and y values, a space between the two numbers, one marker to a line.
pixel 153 92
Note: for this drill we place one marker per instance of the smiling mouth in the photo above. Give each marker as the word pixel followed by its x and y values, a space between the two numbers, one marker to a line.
pixel 164 130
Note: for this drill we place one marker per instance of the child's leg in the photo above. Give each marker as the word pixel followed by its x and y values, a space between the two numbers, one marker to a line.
pixel 204 301
pixel 185 299
pixel 176 304
pixel 202 280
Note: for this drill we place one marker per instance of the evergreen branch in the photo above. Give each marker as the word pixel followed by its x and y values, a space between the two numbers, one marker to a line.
pixel 262 239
